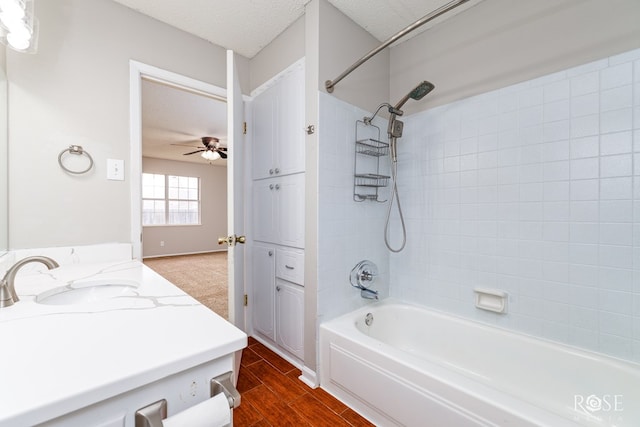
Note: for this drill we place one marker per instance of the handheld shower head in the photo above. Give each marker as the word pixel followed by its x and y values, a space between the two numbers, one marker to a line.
pixel 416 93
pixel 395 127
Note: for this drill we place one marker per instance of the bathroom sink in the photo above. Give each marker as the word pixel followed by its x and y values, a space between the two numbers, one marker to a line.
pixel 88 291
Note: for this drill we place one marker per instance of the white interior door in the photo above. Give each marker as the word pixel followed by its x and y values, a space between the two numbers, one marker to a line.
pixel 235 192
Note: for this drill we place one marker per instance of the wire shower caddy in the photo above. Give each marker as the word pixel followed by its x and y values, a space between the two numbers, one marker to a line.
pixel 368 151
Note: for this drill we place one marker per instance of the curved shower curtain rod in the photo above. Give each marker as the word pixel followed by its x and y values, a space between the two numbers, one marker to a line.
pixel 329 84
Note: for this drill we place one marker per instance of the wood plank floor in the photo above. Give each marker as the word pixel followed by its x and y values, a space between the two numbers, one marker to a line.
pixel 272 395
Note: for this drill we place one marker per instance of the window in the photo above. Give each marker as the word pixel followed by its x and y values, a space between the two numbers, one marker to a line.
pixel 170 199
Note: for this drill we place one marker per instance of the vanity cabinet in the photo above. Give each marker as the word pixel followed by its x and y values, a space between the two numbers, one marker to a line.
pixel 278 123
pixel 102 378
pixel 181 391
pixel 278 296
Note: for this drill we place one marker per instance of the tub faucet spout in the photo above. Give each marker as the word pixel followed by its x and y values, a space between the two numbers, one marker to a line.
pixel 368 293
pixel 8 295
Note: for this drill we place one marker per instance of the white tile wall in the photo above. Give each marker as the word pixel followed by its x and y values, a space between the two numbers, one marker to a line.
pixel 349 231
pixel 534 189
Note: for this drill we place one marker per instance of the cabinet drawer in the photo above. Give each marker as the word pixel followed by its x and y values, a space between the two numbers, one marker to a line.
pixel 290 265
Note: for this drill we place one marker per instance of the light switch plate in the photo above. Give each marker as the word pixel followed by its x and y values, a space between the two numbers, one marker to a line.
pixel 115 169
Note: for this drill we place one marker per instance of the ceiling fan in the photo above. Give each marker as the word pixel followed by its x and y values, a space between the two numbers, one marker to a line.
pixel 212 149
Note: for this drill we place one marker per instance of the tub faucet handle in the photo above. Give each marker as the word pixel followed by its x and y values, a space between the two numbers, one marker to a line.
pixel 367 276
pixel 362 276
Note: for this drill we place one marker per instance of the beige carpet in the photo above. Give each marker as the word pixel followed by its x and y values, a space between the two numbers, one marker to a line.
pixel 203 276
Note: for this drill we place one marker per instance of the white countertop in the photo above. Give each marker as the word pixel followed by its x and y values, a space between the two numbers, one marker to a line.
pixel 55 359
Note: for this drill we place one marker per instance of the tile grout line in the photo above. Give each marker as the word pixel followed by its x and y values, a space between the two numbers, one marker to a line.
pixel 306 391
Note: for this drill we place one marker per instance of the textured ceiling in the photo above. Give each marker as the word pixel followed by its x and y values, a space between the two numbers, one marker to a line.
pixel 247 26
pixel 174 121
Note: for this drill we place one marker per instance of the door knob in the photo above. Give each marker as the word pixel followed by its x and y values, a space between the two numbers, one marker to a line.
pixel 231 240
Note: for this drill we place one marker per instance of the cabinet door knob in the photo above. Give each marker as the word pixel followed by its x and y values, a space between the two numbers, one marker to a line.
pixel 270 253
pixel 270 171
pixel 270 186
pixel 277 186
pixel 278 288
pixel 277 170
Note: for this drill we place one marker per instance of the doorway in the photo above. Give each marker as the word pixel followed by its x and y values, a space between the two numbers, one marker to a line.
pixel 174 114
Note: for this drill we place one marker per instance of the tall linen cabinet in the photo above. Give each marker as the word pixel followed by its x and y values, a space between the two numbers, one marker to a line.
pixel 276 268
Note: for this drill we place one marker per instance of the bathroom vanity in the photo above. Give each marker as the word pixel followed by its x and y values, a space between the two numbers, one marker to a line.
pixel 89 344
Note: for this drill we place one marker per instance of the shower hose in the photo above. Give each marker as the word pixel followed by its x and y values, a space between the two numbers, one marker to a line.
pixel 394 195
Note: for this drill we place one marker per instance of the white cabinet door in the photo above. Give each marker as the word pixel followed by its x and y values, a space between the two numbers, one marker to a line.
pixel 278 210
pixel 291 134
pixel 278 127
pixel 290 317
pixel 264 132
pixel 263 271
pixel 290 210
pixel 264 210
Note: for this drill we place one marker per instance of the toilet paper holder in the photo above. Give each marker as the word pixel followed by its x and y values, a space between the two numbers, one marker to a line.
pixel 153 414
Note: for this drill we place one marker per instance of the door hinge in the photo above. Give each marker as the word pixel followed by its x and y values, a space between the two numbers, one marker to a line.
pixel 244 128
pixel 246 300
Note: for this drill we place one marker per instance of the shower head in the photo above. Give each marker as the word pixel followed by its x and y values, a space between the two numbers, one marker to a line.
pixel 416 93
pixel 394 129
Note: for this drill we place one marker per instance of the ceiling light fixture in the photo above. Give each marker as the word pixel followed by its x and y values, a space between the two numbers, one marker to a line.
pixel 210 155
pixel 18 26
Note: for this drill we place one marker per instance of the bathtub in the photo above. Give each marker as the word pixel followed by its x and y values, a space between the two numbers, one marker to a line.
pixel 417 367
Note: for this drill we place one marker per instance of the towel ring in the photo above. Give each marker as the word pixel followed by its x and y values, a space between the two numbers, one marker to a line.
pixel 77 150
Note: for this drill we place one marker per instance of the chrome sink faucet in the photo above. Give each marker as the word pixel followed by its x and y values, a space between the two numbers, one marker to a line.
pixel 8 295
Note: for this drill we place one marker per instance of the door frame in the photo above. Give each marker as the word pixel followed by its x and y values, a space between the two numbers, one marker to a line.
pixel 138 70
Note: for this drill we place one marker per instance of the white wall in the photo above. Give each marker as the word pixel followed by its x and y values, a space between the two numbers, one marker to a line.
pixel 75 90
pixel 283 51
pixel 533 189
pixel 213 214
pixel 4 238
pixel 340 43
pixel 490 46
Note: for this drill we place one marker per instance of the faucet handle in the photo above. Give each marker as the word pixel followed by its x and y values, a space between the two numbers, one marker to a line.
pixel 362 276
pixel 364 271
pixel 6 299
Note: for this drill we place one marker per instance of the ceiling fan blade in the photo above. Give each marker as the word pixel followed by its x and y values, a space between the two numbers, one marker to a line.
pixel 192 144
pixel 193 152
pixel 222 154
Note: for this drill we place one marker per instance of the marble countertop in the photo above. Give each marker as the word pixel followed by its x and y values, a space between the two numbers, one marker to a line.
pixel 55 359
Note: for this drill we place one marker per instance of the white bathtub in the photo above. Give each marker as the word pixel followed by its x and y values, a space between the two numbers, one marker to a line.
pixel 417 367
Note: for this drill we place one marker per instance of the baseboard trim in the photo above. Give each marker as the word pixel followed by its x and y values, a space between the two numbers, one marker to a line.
pixel 309 377
pixel 183 253
pixel 280 352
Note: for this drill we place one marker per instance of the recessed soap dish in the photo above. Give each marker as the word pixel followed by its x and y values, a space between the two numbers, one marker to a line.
pixel 491 299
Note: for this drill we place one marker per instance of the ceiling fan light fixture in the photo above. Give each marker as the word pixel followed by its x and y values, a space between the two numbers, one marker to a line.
pixel 210 155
